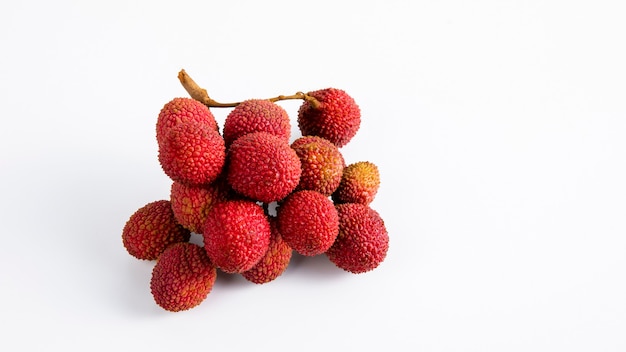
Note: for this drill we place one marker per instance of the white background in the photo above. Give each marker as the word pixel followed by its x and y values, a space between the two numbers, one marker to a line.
pixel 498 128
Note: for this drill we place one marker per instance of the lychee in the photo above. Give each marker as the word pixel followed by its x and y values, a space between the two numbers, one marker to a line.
pixel 256 115
pixel 359 183
pixel 363 240
pixel 236 235
pixel 151 229
pixel 275 260
pixel 322 164
pixel 180 110
pixel 337 117
pixel 263 167
pixel 192 153
pixel 191 204
pixel 183 277
pixel 308 222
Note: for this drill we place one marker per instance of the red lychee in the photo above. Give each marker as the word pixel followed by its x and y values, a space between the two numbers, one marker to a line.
pixel 236 235
pixel 151 229
pixel 308 222
pixel 359 183
pixel 263 167
pixel 182 277
pixel 322 164
pixel 363 240
pixel 191 204
pixel 275 260
pixel 256 115
pixel 336 118
pixel 192 153
pixel 180 110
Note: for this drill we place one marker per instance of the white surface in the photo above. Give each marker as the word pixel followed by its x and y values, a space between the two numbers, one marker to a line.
pixel 498 128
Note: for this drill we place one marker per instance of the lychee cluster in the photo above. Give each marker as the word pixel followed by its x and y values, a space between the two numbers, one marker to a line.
pixel 254 194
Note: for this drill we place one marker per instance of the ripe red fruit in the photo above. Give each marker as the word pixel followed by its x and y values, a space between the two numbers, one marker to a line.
pixel 192 153
pixel 308 222
pixel 359 183
pixel 191 204
pixel 256 115
pixel 275 260
pixel 263 167
pixel 151 229
pixel 322 164
pixel 182 277
pixel 337 118
pixel 180 110
pixel 362 242
pixel 236 235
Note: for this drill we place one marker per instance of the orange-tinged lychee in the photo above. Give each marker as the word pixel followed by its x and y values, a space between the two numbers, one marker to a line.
pixel 359 183
pixel 180 110
pixel 308 222
pixel 236 235
pixel 263 167
pixel 275 260
pixel 192 153
pixel 151 229
pixel 363 241
pixel 256 115
pixel 336 117
pixel 192 203
pixel 183 277
pixel 322 164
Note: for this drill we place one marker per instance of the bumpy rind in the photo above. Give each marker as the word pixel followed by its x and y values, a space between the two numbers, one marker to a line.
pixel 192 154
pixel 322 164
pixel 359 183
pixel 151 229
pixel 308 222
pixel 275 260
pixel 337 118
pixel 191 204
pixel 363 241
pixel 263 167
pixel 180 110
pixel 256 115
pixel 236 235
pixel 182 278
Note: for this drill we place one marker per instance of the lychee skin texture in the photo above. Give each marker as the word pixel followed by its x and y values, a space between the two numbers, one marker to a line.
pixel 236 235
pixel 359 183
pixel 275 260
pixel 256 115
pixel 337 119
pixel 363 241
pixel 180 110
pixel 192 153
pixel 263 167
pixel 322 164
pixel 191 204
pixel 182 278
pixel 308 222
pixel 151 229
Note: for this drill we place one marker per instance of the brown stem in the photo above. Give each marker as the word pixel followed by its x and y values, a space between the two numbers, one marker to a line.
pixel 200 94
pixel 299 95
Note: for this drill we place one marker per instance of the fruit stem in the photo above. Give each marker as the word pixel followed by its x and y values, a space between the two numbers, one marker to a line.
pixel 200 94
pixel 299 95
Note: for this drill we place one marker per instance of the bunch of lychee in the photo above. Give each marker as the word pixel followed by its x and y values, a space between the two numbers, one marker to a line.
pixel 254 195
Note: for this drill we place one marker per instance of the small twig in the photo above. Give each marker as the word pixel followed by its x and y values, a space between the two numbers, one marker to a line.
pixel 200 94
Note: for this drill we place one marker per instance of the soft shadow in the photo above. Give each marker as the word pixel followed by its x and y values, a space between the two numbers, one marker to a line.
pixel 231 280
pixel 134 293
pixel 313 267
